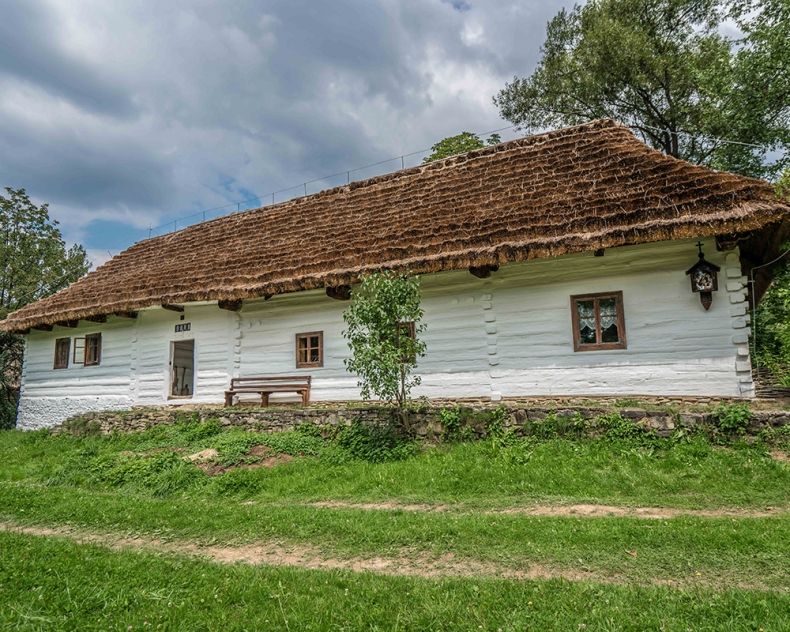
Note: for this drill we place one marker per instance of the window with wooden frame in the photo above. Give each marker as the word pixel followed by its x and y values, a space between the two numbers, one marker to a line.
pixel 598 321
pixel 310 350
pixel 87 350
pixel 62 350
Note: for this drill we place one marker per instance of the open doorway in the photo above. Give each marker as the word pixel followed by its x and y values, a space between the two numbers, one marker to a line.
pixel 182 368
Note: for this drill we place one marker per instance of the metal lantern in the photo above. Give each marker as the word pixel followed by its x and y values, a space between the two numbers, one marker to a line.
pixel 704 278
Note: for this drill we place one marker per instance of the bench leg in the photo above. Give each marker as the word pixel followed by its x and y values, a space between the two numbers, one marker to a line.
pixel 305 397
pixel 228 399
pixel 264 399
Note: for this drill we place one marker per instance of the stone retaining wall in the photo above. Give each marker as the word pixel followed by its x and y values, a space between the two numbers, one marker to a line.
pixel 474 419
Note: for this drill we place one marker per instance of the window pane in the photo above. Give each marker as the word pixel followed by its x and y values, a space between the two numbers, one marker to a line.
pixel 314 342
pixel 586 311
pixel 609 330
pixel 314 355
pixel 303 343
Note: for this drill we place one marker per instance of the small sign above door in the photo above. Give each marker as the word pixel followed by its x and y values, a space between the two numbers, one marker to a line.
pixel 183 327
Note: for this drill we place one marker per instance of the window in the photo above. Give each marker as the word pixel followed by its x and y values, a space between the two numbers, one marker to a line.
pixel 598 321
pixel 310 350
pixel 62 348
pixel 92 349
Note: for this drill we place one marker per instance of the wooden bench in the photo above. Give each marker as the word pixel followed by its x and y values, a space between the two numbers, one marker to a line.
pixel 266 385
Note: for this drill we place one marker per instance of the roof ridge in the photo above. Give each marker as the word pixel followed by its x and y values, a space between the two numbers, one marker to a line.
pixel 523 141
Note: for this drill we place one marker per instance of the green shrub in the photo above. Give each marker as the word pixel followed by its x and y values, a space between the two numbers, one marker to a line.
pixel 81 427
pixel 233 445
pixel 451 423
pixel 732 419
pixel 161 474
pixel 553 425
pixel 193 431
pixel 617 427
pixel 294 443
pixel 495 422
pixel 375 444
pixel 238 482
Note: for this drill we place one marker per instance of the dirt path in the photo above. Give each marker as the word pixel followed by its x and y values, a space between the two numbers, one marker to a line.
pixel 408 563
pixel 560 511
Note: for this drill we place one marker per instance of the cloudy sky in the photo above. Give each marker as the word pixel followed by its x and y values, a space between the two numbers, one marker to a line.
pixel 125 115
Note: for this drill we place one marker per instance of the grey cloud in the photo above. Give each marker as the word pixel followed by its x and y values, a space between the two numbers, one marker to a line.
pixel 29 50
pixel 169 107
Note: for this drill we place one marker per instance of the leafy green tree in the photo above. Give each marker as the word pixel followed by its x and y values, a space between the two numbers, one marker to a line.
pixel 772 317
pixel 459 144
pixel 667 68
pixel 34 263
pixel 382 329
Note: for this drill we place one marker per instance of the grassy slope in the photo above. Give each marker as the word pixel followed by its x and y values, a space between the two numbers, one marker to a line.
pixel 51 584
pixel 136 483
pixel 483 474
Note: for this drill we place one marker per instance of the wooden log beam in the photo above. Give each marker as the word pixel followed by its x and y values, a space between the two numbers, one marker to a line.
pixel 231 306
pixel 131 315
pixel 173 308
pixel 42 327
pixel 67 323
pixel 727 242
pixel 100 318
pixel 599 253
pixel 483 272
pixel 339 292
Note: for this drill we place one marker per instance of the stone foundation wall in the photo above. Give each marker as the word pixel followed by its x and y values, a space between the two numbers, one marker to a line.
pixel 473 418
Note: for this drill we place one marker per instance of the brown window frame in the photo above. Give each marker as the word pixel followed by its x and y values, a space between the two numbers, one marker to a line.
pixel 78 351
pixel 62 362
pixel 308 335
pixel 93 361
pixel 598 346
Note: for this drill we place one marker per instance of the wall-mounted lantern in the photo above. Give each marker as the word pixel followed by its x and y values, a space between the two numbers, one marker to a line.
pixel 704 279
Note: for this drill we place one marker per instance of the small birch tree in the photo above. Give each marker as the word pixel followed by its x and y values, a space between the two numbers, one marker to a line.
pixel 382 329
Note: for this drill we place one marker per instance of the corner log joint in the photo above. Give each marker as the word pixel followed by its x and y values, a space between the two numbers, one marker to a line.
pixel 131 315
pixel 101 318
pixel 483 272
pixel 339 292
pixel 67 323
pixel 173 308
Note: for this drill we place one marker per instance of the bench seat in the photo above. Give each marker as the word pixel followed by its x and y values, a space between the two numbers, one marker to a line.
pixel 266 385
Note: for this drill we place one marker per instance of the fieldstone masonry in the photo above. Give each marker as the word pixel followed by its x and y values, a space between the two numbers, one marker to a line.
pixel 426 420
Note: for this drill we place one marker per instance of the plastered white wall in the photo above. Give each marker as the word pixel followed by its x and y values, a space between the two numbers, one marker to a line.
pixel 508 335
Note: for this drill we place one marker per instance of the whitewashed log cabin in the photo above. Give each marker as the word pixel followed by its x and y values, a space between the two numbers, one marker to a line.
pixel 576 262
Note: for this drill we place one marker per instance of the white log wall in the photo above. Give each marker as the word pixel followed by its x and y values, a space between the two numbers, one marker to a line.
pixel 505 336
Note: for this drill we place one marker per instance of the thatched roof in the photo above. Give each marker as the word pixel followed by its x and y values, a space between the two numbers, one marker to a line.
pixel 572 190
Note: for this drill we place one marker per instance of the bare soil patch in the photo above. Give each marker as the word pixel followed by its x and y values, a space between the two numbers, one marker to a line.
pixel 407 563
pixel 781 456
pixel 562 511
pixel 257 457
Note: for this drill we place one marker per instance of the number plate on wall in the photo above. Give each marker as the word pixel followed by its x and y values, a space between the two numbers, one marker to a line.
pixel 183 327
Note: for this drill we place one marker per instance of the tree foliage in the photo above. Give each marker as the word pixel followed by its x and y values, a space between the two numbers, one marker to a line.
pixel 667 68
pixel 772 342
pixel 34 263
pixel 459 144
pixel 384 310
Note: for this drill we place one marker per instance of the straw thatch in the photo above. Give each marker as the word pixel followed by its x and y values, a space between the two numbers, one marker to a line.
pixel 577 189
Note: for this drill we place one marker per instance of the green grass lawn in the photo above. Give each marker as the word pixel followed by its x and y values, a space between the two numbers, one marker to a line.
pixel 52 584
pixel 684 572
